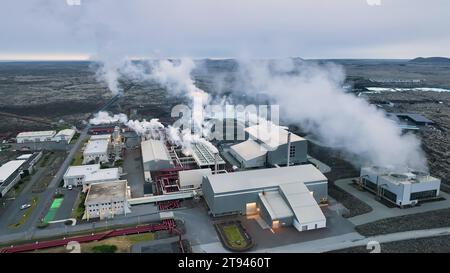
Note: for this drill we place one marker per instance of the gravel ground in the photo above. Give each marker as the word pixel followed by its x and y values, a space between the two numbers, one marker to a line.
pixel 426 220
pixel 339 169
pixel 435 139
pixel 440 244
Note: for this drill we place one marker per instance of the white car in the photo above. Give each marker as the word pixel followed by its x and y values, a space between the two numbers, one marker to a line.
pixel 25 206
pixel 70 187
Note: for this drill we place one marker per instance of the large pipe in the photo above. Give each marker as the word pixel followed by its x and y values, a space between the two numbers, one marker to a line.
pixel 288 149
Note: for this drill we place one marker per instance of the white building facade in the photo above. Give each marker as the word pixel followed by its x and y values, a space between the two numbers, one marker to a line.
pixel 36 136
pixel 97 149
pixel 402 188
pixel 88 174
pixel 106 200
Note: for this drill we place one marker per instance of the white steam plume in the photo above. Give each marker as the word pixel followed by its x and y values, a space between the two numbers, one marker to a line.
pixel 104 117
pixel 311 95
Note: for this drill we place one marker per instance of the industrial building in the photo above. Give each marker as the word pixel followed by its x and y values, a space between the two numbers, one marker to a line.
pixel 192 179
pixel 205 157
pixel 106 200
pixel 65 135
pixel 10 174
pixel 413 118
pixel 282 196
pixel 97 149
pixel 155 156
pixel 401 188
pixel 88 174
pixel 268 145
pixel 31 160
pixel 36 136
pixel 12 171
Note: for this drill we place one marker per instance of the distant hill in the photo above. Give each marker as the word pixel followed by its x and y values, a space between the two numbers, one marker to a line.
pixel 431 60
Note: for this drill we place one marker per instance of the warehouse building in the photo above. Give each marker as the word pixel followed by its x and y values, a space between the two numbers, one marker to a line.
pixel 31 160
pixel 192 179
pixel 401 188
pixel 65 135
pixel 281 196
pixel 89 174
pixel 155 156
pixel 106 200
pixel 10 174
pixel 97 149
pixel 36 136
pixel 267 145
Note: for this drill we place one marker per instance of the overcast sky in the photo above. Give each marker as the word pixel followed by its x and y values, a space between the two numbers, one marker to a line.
pixel 52 29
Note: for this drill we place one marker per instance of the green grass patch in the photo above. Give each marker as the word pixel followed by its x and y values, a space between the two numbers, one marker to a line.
pixel 234 236
pixel 26 214
pixel 78 212
pixel 136 238
pixel 104 249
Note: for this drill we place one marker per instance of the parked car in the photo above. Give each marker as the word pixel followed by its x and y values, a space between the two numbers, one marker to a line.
pixel 25 206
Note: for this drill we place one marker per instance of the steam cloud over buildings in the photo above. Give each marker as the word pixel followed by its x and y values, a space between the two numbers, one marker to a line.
pixel 312 96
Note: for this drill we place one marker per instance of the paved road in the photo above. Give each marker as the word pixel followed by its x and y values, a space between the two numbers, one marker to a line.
pixel 132 166
pixel 381 211
pixel 11 212
pixel 334 243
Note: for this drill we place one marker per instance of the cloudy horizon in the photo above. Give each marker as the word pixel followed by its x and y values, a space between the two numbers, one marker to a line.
pixel 321 29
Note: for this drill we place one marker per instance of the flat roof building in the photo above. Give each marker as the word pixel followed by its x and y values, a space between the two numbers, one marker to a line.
pixel 282 196
pixel 96 150
pixel 402 188
pixel 88 174
pixel 35 136
pixel 106 200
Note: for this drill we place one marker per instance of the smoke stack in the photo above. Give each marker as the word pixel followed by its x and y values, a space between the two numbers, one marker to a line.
pixel 288 148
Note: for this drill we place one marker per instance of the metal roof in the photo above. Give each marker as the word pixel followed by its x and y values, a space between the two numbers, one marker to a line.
pixel 302 203
pixel 7 169
pixel 414 117
pixel 37 134
pixel 204 156
pixel 263 178
pixel 249 149
pixel 100 137
pixel 275 205
pixel 154 150
pixel 66 133
pixel 24 156
pixel 271 135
